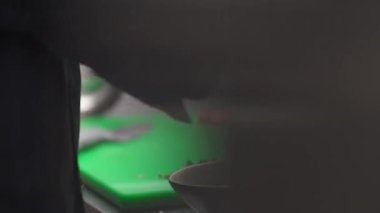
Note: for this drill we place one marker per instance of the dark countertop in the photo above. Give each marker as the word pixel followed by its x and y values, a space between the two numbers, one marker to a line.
pixel 96 204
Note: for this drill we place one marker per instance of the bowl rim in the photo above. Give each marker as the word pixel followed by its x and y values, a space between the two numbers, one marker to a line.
pixel 172 181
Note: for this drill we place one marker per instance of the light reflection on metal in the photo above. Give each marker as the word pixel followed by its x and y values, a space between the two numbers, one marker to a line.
pixel 96 94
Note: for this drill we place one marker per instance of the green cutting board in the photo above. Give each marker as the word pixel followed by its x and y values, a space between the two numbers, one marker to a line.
pixel 135 174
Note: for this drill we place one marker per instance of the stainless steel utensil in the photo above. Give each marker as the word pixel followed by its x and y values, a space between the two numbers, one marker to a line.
pixel 204 187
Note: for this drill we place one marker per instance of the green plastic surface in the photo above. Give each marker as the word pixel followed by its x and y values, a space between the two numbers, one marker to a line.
pixel 134 174
pixel 92 84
